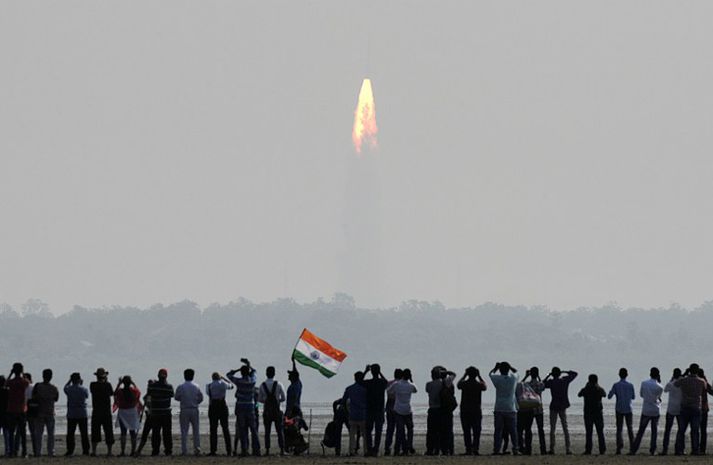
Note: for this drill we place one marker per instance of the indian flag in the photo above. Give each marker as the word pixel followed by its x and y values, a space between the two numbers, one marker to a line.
pixel 318 354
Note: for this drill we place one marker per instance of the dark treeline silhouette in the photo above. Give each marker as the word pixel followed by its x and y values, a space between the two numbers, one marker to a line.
pixel 417 334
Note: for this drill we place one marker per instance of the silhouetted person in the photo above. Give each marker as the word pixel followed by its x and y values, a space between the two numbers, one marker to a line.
pixel 693 388
pixel 593 394
pixel 390 414
pixel 448 406
pixel 436 421
pixel 30 415
pixel 15 418
pixel 402 390
pixel 559 387
pixel 433 415
pixel 355 399
pixel 625 394
pixel 128 401
pixel 703 443
pixel 218 413
pixel 272 395
pixel 375 392
pixel 190 396
pixel 504 379
pixel 46 395
pixel 245 407
pixel 294 390
pixel 102 392
pixel 161 393
pixel 651 392
pixel 530 409
pixel 673 409
pixel 77 396
pixel 3 418
pixel 471 386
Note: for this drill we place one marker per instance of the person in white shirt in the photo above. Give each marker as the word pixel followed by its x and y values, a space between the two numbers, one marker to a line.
pixel 190 397
pixel 218 412
pixel 673 409
pixel 402 391
pixel 650 391
pixel 271 396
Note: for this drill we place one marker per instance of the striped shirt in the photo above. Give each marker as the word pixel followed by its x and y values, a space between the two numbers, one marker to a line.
pixel 244 390
pixel 160 393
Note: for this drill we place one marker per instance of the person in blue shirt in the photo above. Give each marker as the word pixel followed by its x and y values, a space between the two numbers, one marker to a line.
pixel 505 408
pixel 294 392
pixel 625 394
pixel 355 399
pixel 77 396
pixel 245 407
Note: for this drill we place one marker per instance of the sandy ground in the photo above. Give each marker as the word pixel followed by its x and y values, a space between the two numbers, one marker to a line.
pixel 317 457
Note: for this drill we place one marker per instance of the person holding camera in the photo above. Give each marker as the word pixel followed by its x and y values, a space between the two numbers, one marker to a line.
pixel 593 394
pixel 127 398
pixel 559 387
pixel 651 392
pixel 245 407
pixel 529 401
pixel 693 388
pixel 472 387
pixel 375 405
pixel 402 390
pixel 218 413
pixel 16 413
pixel 160 392
pixel 102 392
pixel 77 396
pixel 673 409
pixel 439 422
pixel 504 379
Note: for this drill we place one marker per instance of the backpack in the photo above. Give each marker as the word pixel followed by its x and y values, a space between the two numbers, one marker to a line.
pixel 271 407
pixel 33 404
pixel 448 398
pixel 331 439
pixel 527 397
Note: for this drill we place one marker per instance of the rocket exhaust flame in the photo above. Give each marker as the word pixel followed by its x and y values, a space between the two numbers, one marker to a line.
pixel 365 130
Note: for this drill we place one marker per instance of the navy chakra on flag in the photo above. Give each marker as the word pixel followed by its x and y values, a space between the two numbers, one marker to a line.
pixel 314 355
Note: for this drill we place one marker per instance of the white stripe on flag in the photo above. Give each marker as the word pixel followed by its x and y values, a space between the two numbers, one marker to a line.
pixel 318 357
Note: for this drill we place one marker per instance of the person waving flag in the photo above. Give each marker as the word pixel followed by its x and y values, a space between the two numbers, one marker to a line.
pixel 317 353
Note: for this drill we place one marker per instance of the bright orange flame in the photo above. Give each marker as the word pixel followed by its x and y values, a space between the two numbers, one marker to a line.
pixel 365 129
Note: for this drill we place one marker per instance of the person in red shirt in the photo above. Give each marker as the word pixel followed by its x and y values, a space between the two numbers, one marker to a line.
pixel 127 398
pixel 16 404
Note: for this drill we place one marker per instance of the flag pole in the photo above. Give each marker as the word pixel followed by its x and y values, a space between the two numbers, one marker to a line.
pixel 297 342
pixel 309 434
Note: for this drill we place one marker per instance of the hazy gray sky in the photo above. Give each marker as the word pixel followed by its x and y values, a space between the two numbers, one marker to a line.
pixel 554 153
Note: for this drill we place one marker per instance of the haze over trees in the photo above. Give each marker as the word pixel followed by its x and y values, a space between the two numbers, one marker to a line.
pixel 416 334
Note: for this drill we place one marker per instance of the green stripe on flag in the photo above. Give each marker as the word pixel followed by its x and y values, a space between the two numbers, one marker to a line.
pixel 305 360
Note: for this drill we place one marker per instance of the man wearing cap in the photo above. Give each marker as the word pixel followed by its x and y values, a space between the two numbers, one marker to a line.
pixel 77 396
pixel 190 397
pixel 102 393
pixel 161 393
